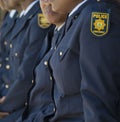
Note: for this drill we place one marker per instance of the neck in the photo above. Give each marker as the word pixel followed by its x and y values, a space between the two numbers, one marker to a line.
pixel 59 24
pixel 19 9
pixel 25 4
pixel 74 4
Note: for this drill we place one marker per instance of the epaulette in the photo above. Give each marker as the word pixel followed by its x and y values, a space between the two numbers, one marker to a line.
pixel 42 21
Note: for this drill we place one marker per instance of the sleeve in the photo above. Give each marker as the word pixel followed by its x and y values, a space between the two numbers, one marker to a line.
pixel 100 70
pixel 18 93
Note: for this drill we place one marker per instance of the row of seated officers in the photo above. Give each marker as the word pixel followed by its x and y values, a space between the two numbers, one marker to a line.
pixel 59 61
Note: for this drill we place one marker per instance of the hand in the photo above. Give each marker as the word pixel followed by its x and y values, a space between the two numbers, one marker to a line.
pixel 2 99
pixel 3 114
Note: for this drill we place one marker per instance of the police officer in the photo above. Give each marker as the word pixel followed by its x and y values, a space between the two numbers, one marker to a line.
pixel 40 102
pixel 56 95
pixel 32 27
pixel 92 47
pixel 5 30
pixel 19 30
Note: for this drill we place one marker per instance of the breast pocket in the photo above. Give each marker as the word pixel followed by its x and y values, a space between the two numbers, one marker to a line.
pixel 63 52
pixel 16 59
pixel 17 55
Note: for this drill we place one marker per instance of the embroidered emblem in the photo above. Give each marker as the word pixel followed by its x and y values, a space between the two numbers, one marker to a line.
pixel 42 21
pixel 99 23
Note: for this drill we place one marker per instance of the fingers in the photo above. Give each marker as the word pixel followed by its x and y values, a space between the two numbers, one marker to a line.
pixel 3 114
pixel 2 99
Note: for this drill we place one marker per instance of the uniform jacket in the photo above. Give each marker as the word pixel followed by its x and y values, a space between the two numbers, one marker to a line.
pixel 56 95
pixel 65 66
pixel 85 64
pixel 39 105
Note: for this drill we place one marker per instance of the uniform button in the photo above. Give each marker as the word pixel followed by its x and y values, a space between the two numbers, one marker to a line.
pixel 6 86
pixel 45 63
pixel 30 16
pixel 10 45
pixel 26 103
pixel 32 81
pixel 54 109
pixel 16 54
pixel 0 65
pixel 7 59
pixel 5 42
pixel 54 48
pixel 8 67
pixel 61 53
pixel 75 17
pixel 50 77
pixel 51 48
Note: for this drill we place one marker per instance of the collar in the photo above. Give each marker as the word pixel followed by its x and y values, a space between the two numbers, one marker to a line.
pixel 60 27
pixel 21 13
pixel 29 7
pixel 76 8
pixel 12 13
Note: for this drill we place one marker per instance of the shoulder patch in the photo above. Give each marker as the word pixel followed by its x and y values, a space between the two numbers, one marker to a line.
pixel 99 23
pixel 42 21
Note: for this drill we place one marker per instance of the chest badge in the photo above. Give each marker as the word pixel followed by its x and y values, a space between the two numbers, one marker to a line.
pixel 42 21
pixel 99 23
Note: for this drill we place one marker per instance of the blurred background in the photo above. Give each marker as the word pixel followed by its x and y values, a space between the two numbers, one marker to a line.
pixel 1 16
